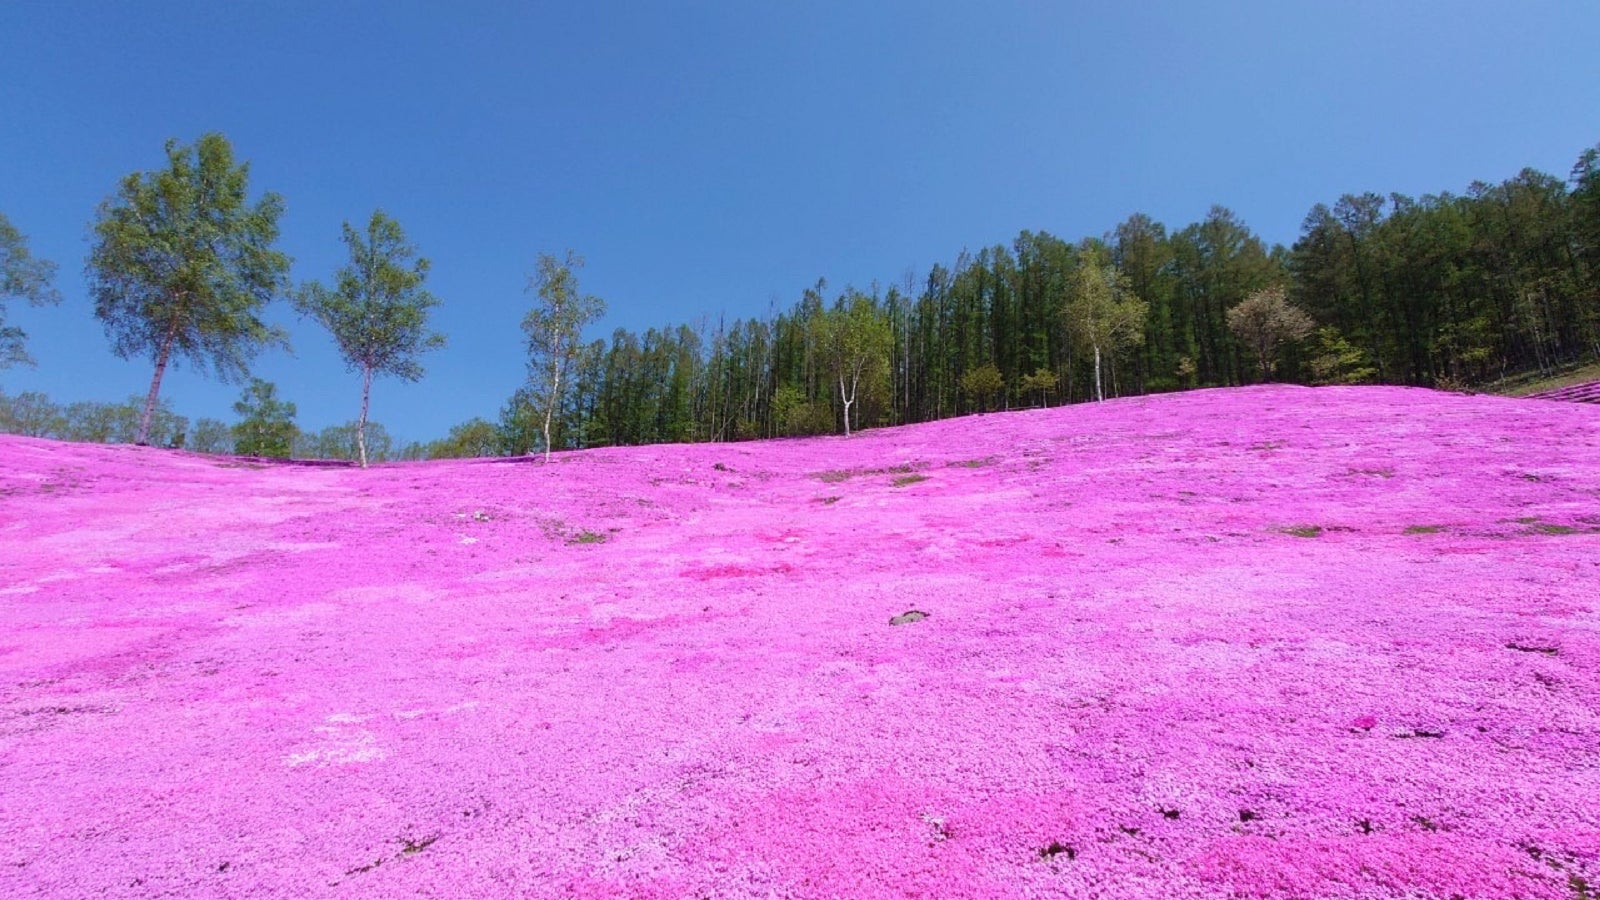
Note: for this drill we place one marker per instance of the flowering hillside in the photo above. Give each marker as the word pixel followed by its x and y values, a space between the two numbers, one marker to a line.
pixel 1268 642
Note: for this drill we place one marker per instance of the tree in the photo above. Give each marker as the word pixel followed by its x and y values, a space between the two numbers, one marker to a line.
pixel 182 264
pixel 377 310
pixel 855 340
pixel 24 277
pixel 982 384
pixel 519 425
pixel 1042 382
pixel 1337 361
pixel 30 413
pixel 472 439
pixel 342 442
pixel 1265 320
pixel 118 423
pixel 266 424
pixel 1103 315
pixel 554 328
pixel 209 436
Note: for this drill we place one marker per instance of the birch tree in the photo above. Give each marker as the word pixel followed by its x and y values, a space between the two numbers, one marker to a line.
pixel 1103 315
pixel 182 264
pixel 554 328
pixel 377 310
pixel 855 341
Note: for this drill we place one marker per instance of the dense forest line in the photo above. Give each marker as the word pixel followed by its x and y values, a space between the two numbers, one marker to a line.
pixel 1447 290
pixel 1444 290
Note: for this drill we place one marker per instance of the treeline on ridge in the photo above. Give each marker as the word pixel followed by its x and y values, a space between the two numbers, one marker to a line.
pixel 1447 290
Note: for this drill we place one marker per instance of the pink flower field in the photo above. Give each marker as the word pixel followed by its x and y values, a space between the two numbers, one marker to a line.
pixel 1264 642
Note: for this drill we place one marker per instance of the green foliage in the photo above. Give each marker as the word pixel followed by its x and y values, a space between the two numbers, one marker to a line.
pixel 854 339
pixel 472 439
pixel 1041 384
pixel 266 423
pixel 554 330
pixel 794 415
pixel 377 310
pixel 345 442
pixel 30 414
pixel 25 277
pixel 1264 321
pixel 982 385
pixel 1442 289
pixel 1337 361
pixel 33 414
pixel 210 436
pixel 1102 313
pixel 182 265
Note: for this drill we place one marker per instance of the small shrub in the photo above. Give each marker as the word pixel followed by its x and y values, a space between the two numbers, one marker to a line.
pixel 1424 529
pixel 1304 531
pixel 904 480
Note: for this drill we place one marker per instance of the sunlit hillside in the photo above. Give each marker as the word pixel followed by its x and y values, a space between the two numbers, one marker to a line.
pixel 1264 642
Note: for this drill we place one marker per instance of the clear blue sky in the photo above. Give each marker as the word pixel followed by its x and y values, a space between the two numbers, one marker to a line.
pixel 716 158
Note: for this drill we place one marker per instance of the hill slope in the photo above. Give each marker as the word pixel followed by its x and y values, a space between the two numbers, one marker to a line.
pixel 1259 642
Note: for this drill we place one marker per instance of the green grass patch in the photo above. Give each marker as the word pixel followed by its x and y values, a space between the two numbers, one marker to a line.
pixel 1424 529
pixel 904 480
pixel 834 476
pixel 1553 528
pixel 1533 383
pixel 587 537
pixel 1304 531
pixel 978 463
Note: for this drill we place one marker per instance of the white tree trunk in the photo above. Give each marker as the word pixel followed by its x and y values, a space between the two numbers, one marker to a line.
pixel 361 424
pixel 1099 392
pixel 155 390
pixel 847 401
pixel 550 407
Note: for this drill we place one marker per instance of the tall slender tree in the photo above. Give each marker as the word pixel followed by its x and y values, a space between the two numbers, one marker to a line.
pixel 182 264
pixel 25 277
pixel 377 310
pixel 855 341
pixel 1103 314
pixel 554 329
